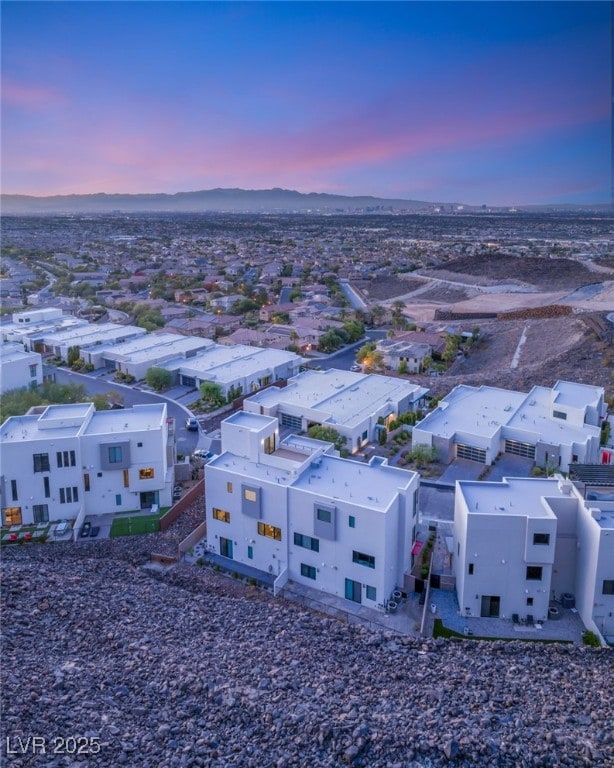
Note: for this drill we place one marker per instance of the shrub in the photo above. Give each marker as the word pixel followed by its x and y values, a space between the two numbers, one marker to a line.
pixel 200 561
pixel 590 638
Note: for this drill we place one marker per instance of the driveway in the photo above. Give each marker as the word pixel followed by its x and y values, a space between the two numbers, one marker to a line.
pixel 508 465
pixel 461 469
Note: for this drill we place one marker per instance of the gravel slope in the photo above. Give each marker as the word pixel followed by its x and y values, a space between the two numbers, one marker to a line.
pixel 187 668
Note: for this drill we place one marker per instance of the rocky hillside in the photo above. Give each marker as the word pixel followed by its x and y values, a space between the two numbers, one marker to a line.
pixel 187 668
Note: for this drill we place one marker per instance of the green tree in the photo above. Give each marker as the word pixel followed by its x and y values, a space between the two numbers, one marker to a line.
pixel 422 454
pixel 403 367
pixel 72 355
pixel 211 393
pixel 158 378
pixel 328 434
pixel 365 351
pixel 354 330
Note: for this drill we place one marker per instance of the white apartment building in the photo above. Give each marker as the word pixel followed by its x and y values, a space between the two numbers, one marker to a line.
pixel 29 328
pixel 239 367
pixel 554 427
pixel 297 510
pixel 18 368
pixel 523 542
pixel 351 403
pixel 60 460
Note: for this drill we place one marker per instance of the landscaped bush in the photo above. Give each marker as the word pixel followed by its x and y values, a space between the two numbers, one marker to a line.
pixel 590 638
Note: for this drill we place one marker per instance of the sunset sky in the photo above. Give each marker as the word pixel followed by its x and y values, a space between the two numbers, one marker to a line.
pixel 477 102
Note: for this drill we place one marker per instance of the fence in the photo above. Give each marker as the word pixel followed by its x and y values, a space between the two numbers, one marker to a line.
pixel 191 539
pixel 175 511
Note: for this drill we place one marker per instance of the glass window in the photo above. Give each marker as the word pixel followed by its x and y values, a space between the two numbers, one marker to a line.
pixel 307 542
pixel 324 515
pixel 470 569
pixel 362 559
pixel 608 587
pixel 146 474
pixel 40 513
pixel 560 415
pixel 541 538
pixel 86 481
pixel 41 462
pixel 115 454
pixel 14 495
pixel 352 521
pixel 11 516
pixel 250 495
pixel 118 499
pixel 534 573
pixel 371 593
pixel 126 478
pixel 221 514
pixel 308 571
pixel 229 487
pixel 250 552
pixel 271 531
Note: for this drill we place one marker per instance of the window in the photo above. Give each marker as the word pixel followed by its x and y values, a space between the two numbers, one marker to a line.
pixel 541 538
pixel 139 445
pixel 229 487
pixel 69 495
pixel 47 489
pixel 371 593
pixel 250 495
pixel 250 552
pixel 40 513
pixel 362 559
pixel 324 515
pixel 41 462
pixel 529 601
pixel 14 495
pixel 308 542
pixel 146 474
pixel 271 531
pixel 352 521
pixel 608 587
pixel 126 478
pixel 118 499
pixel 221 515
pixel 308 571
pixel 560 415
pixel 365 435
pixel 470 569
pixel 534 573
pixel 11 516
pixel 86 482
pixel 33 371
pixel 65 459
pixel 115 454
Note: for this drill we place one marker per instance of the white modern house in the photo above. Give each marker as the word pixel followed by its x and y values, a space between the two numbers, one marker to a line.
pixel 30 327
pixel 239 367
pixel 297 510
pixel 521 543
pixel 19 368
pixel 86 338
pixel 553 426
pixel 351 403
pixel 60 461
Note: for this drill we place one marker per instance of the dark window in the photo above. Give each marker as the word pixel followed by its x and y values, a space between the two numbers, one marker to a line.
pixel 470 569
pixel 608 587
pixel 324 515
pixel 46 487
pixel 65 458
pixel 308 571
pixel 250 552
pixel 118 499
pixel 62 496
pixel 86 482
pixel 371 593
pixel 139 445
pixel 352 521
pixel 307 542
pixel 534 573
pixel 529 601
pixel 541 538
pixel 362 559
pixel 559 415
pixel 115 454
pixel 14 490
pixel 40 513
pixel 41 462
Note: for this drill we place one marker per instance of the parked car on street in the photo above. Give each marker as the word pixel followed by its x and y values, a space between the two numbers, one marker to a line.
pixel 191 424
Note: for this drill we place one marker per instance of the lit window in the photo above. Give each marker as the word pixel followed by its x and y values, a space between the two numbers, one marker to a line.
pixel 250 495
pixel 221 515
pixel 146 474
pixel 271 531
pixel 11 516
pixel 229 487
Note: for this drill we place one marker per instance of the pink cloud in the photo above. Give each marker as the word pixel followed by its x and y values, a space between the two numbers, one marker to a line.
pixel 32 97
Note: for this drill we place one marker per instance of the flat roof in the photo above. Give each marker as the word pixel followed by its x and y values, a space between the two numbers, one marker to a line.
pixel 92 333
pixel 251 421
pixel 11 352
pixel 534 416
pixel 519 497
pixel 346 397
pixel 224 363
pixel 374 485
pixel 576 395
pixel 139 418
pixel 153 345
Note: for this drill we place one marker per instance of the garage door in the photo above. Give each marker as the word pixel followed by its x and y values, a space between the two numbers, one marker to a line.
pixel 471 453
pixel 293 422
pixel 520 449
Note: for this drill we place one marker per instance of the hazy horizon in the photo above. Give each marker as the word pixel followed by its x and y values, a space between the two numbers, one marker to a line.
pixel 498 104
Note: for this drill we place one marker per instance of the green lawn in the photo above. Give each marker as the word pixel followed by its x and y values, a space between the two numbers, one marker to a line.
pixel 129 526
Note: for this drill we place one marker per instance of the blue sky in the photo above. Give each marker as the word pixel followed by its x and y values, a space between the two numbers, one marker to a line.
pixel 476 102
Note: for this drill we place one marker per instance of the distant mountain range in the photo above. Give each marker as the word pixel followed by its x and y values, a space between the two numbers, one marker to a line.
pixel 242 201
